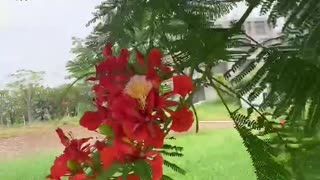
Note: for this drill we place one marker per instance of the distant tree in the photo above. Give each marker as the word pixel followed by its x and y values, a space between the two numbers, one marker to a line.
pixel 3 102
pixel 24 84
pixel 11 109
pixel 42 104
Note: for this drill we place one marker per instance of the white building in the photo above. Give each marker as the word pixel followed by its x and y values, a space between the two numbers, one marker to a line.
pixel 255 26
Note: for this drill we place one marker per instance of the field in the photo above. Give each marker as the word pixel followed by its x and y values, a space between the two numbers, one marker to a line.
pixel 211 155
pixel 213 111
pixel 207 111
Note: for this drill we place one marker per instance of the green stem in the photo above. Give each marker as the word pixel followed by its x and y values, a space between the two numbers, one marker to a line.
pixel 197 118
pixel 220 96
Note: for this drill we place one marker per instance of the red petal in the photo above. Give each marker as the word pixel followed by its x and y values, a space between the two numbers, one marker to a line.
pixel 151 100
pixel 156 136
pixel 169 103
pixel 123 147
pixel 90 120
pixel 136 130
pixel 60 167
pixel 100 145
pixel 154 58
pixel 124 108
pixel 182 85
pixel 111 85
pixel 102 68
pixel 182 119
pixel 152 75
pixel 130 177
pixel 156 165
pixel 63 138
pixel 139 57
pixel 107 50
pixel 108 156
pixel 124 56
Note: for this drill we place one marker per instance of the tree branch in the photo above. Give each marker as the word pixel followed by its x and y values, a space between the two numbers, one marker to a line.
pixel 246 14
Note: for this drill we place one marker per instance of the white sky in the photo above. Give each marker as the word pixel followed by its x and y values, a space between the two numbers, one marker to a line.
pixel 36 35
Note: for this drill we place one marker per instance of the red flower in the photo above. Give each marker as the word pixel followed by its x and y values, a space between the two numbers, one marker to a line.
pixel 152 66
pixel 63 138
pixel 122 150
pixel 154 58
pixel 156 165
pixel 182 85
pixel 113 72
pixel 138 121
pixel 132 112
pixel 140 58
pixel 60 167
pixel 90 120
pixel 127 152
pixel 75 149
pixel 108 156
pixel 149 132
pixel 182 119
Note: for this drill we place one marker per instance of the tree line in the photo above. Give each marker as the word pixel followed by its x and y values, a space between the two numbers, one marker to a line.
pixel 25 99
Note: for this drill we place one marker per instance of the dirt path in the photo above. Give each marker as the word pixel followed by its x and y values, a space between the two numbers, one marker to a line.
pixel 16 147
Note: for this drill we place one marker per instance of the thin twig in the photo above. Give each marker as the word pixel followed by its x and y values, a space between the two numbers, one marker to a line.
pixel 238 95
pixel 220 96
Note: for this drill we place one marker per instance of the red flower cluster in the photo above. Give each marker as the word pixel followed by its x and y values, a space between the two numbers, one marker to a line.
pixel 132 113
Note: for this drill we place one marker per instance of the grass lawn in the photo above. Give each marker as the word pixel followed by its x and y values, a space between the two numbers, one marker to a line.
pixel 215 155
pixel 213 111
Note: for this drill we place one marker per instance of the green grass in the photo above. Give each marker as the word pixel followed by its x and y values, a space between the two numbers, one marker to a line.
pixel 215 155
pixel 34 167
pixel 213 111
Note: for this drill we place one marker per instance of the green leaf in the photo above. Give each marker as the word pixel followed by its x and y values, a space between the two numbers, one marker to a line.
pixel 125 172
pixel 143 170
pixel 171 154
pixel 139 69
pixel 73 166
pixel 165 177
pixel 96 162
pixel 106 130
pixel 176 148
pixel 174 167
pixel 113 169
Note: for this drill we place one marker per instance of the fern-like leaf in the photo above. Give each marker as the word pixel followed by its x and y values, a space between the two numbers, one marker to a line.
pixel 174 167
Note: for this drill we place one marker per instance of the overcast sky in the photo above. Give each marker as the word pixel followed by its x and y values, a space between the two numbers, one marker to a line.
pixel 37 35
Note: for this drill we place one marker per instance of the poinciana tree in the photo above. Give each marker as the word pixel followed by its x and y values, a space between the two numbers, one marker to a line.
pixel 289 70
pixel 133 115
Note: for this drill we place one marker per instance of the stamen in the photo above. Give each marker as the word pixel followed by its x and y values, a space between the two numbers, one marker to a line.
pixel 138 88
